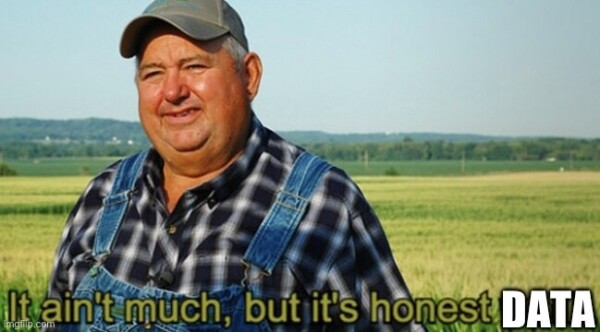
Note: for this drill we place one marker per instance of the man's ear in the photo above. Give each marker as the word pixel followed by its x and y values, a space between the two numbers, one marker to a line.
pixel 253 71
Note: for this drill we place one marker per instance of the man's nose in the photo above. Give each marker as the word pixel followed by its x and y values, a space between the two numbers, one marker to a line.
pixel 175 88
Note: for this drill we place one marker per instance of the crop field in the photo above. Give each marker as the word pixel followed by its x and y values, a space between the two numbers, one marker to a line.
pixel 68 166
pixel 452 236
pixel 73 166
pixel 456 167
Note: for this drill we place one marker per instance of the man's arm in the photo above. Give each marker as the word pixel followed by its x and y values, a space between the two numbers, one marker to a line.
pixel 351 257
pixel 74 251
pixel 378 278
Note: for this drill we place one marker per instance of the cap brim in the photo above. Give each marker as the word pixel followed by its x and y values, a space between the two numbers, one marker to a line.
pixel 195 29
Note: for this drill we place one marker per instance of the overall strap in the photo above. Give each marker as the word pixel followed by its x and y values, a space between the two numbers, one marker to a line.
pixel 275 232
pixel 115 204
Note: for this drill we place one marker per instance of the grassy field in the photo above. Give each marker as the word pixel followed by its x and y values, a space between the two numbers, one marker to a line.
pixel 83 166
pixel 453 236
pixel 456 167
pixel 92 165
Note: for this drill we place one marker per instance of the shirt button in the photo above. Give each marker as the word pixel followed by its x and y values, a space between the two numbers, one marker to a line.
pixel 148 325
pixel 171 229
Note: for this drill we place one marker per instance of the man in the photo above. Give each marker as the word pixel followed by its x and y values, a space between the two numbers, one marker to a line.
pixel 220 207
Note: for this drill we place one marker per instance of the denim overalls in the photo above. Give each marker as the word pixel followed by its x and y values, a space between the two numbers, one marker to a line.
pixel 263 253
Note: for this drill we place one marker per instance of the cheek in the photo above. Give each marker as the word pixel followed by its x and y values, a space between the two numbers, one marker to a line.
pixel 212 87
pixel 149 98
pixel 202 88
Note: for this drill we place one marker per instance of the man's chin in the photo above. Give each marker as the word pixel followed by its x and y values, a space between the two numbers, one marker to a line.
pixel 185 148
pixel 180 147
pixel 186 141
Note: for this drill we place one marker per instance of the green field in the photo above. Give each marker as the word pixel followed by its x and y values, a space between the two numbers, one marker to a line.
pixel 83 166
pixel 93 165
pixel 456 167
pixel 452 236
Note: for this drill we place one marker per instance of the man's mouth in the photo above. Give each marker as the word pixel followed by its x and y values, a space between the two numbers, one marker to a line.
pixel 182 114
pixel 182 117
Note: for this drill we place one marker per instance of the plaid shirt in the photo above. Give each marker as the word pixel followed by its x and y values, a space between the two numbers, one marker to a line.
pixel 338 246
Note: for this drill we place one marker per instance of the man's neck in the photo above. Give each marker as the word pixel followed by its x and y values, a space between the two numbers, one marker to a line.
pixel 191 173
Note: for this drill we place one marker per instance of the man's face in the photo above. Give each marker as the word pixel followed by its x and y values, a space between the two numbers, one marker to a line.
pixel 192 97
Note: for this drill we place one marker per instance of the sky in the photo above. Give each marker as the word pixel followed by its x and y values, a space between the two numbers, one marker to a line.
pixel 503 67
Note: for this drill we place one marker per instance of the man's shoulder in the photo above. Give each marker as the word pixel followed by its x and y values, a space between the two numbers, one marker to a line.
pixel 336 184
pixel 102 182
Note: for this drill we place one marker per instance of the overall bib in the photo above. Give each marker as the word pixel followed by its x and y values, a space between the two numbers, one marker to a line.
pixel 263 253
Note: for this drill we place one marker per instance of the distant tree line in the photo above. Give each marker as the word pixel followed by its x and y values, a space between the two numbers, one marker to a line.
pixel 89 130
pixel 407 149
pixel 32 150
pixel 35 138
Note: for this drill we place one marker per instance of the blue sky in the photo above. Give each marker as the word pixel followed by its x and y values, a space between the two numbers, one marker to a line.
pixel 486 67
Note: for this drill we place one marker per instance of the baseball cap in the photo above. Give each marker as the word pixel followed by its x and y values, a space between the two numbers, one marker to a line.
pixel 198 19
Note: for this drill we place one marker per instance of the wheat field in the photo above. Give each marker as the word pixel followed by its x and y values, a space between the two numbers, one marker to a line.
pixel 453 237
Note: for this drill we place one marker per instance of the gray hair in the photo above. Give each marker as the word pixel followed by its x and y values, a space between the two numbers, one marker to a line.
pixel 235 49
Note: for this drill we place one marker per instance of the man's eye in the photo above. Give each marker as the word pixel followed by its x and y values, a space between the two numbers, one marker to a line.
pixel 149 74
pixel 195 66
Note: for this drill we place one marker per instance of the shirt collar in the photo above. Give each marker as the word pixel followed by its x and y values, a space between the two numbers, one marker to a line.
pixel 228 181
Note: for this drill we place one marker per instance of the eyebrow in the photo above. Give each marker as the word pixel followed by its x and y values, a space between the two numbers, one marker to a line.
pixel 181 62
pixel 194 58
pixel 149 66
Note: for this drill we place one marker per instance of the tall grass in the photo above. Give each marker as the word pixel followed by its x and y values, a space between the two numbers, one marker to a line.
pixel 32 213
pixel 460 236
pixel 28 245
pixel 451 236
pixel 39 195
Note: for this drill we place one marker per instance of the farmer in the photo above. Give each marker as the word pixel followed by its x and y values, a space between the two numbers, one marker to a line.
pixel 220 211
